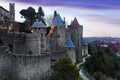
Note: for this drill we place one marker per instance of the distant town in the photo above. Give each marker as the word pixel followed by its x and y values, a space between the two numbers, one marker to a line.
pixel 113 43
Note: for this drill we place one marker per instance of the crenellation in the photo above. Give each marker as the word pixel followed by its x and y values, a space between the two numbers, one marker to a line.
pixel 32 54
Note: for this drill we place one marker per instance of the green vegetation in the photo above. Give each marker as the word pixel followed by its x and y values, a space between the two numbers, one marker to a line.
pixel 85 55
pixel 30 15
pixel 80 78
pixel 40 15
pixel 77 62
pixel 101 65
pixel 64 69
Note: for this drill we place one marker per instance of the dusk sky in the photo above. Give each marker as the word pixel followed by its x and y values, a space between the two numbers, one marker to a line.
pixel 100 18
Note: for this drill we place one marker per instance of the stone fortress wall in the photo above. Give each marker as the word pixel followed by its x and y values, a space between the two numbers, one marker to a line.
pixel 32 55
pixel 27 67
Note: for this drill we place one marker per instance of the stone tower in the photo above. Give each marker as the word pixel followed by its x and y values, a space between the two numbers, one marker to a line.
pixel 60 31
pixel 40 29
pixel 12 11
pixel 70 49
pixel 76 32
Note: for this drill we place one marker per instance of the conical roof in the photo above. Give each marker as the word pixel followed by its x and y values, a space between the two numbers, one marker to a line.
pixel 38 24
pixel 75 21
pixel 69 44
pixel 58 20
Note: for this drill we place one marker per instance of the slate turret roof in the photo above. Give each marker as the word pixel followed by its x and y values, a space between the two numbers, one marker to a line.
pixel 69 44
pixel 38 25
pixel 58 21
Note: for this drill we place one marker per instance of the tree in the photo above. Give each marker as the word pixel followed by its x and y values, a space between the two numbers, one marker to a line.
pixel 29 15
pixel 55 13
pixel 48 20
pixel 89 48
pixel 40 15
pixel 101 61
pixel 64 69
pixel 101 76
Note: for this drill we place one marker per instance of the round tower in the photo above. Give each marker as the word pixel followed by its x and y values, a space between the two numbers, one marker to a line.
pixel 40 29
pixel 70 49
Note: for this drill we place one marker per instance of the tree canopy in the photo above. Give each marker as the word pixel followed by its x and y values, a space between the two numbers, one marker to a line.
pixel 40 15
pixel 30 15
pixel 55 13
pixel 101 61
pixel 64 69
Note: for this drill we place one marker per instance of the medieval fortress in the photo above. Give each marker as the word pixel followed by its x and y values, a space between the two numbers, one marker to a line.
pixel 32 55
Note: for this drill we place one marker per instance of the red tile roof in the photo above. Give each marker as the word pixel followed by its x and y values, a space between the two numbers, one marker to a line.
pixel 75 21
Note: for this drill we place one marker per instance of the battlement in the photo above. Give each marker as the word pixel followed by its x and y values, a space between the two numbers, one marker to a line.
pixel 32 53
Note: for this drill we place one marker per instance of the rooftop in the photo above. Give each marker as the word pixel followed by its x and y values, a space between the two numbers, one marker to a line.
pixel 4 9
pixel 69 44
pixel 58 21
pixel 75 21
pixel 38 25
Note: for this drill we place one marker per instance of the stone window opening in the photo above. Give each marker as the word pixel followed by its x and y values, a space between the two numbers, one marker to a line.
pixel 41 34
pixel 58 36
pixel 70 48
pixel 1 43
pixel 30 52
pixel 10 47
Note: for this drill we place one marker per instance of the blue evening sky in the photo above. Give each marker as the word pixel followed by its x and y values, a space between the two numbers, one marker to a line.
pixel 100 18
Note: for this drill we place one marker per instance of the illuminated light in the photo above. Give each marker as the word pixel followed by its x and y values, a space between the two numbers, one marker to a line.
pixel 51 30
pixel 32 31
pixel 53 26
pixel 10 28
pixel 4 27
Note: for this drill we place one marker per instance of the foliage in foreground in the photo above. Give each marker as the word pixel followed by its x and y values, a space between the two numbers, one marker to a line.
pixel 64 69
pixel 101 63
pixel 80 78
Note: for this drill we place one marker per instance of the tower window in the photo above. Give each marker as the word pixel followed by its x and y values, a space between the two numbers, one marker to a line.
pixel 41 34
pixel 58 36
pixel 69 48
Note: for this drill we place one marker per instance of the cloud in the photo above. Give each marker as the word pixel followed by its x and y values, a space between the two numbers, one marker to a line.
pixel 92 4
pixel 99 17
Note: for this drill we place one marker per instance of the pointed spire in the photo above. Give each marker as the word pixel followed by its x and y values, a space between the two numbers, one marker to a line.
pixel 69 44
pixel 58 20
pixel 75 21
